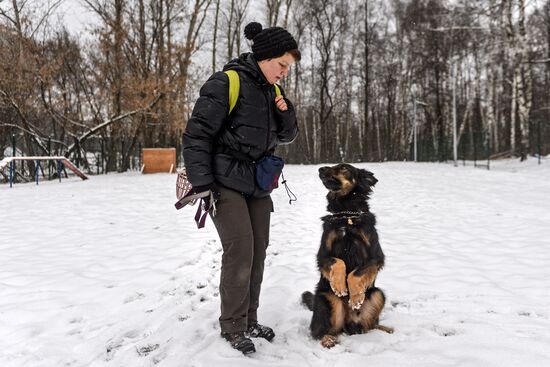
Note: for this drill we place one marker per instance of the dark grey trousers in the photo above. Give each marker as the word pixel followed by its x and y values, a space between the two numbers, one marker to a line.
pixel 243 226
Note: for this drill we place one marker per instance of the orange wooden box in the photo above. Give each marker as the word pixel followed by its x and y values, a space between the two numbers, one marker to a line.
pixel 157 160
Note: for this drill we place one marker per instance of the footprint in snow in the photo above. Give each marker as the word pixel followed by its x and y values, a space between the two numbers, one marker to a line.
pixel 76 320
pixel 114 344
pixel 144 351
pixel 444 331
pixel 134 297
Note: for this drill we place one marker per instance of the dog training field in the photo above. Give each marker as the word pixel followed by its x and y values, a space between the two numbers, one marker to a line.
pixel 106 272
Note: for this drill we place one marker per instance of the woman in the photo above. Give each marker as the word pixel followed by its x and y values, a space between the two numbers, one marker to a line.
pixel 220 151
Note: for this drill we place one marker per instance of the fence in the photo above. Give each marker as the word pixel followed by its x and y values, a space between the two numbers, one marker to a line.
pixel 539 130
pixel 472 146
pixel 94 157
pixel 476 146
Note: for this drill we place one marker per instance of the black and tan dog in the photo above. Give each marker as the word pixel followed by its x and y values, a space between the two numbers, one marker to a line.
pixel 349 259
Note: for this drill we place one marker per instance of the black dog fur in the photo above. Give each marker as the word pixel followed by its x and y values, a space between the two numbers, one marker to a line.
pixel 349 259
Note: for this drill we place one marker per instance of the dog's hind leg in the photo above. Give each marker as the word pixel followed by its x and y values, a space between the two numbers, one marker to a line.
pixel 385 329
pixel 371 309
pixel 308 299
pixel 328 318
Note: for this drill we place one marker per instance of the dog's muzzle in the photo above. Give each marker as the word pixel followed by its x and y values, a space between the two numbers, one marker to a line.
pixel 331 183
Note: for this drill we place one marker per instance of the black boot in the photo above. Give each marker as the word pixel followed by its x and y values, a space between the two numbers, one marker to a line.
pixel 240 342
pixel 256 330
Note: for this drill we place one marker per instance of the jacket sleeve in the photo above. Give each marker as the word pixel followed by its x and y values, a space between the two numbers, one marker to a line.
pixel 207 119
pixel 287 125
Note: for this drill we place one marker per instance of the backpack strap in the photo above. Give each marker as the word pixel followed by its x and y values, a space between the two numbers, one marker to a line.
pixel 277 90
pixel 234 88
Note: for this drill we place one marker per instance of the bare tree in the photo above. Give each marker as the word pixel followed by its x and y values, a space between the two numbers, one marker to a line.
pixel 273 7
pixel 215 36
pixel 196 20
pixel 234 17
pixel 521 78
pixel 16 93
pixel 134 79
pixel 524 81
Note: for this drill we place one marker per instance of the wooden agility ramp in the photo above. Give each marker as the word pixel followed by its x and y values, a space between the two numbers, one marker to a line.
pixel 63 160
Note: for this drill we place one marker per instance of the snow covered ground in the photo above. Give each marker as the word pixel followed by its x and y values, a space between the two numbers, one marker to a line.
pixel 106 272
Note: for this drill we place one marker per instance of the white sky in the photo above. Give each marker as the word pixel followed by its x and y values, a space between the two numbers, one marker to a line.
pixel 76 16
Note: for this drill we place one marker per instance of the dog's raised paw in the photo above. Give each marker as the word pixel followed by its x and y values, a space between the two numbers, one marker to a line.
pixel 340 292
pixel 356 301
pixel 338 283
pixel 328 341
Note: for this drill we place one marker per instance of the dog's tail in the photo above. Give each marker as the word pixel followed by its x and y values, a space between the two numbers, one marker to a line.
pixel 307 300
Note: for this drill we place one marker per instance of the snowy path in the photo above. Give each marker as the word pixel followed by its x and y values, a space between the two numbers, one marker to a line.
pixel 106 273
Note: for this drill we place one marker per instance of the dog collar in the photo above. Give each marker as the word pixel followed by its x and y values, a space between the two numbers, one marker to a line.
pixel 344 215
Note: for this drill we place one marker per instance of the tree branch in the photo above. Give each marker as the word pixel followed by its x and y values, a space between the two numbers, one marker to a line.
pixel 103 125
pixel 442 29
pixel 32 133
pixel 45 16
pixel 36 137
pixel 5 15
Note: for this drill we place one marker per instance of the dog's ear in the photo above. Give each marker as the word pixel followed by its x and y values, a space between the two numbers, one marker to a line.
pixel 366 179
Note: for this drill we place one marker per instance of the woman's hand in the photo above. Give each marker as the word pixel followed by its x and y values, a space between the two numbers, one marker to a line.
pixel 281 103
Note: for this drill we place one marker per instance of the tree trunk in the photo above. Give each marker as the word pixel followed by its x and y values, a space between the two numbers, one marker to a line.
pixel 491 65
pixel 273 7
pixel 215 36
pixel 230 32
pixel 525 82
pixel 20 67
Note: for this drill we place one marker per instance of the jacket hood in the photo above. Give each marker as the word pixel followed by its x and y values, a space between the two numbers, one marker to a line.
pixel 246 63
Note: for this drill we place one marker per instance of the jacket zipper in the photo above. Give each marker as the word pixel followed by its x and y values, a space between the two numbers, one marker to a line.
pixel 268 121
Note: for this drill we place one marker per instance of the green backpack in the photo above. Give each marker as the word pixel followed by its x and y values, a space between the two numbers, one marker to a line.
pixel 235 86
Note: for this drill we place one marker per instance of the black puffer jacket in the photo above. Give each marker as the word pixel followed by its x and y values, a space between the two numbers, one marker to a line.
pixel 222 148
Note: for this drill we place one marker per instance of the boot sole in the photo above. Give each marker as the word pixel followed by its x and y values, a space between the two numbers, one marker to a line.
pixel 264 337
pixel 246 351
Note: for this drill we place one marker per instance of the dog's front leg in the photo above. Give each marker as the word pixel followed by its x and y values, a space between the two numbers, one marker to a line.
pixel 335 272
pixel 359 280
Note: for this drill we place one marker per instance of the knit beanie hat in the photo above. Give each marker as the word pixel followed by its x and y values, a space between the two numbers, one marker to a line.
pixel 270 42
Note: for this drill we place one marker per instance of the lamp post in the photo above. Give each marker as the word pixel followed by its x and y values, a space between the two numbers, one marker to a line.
pixel 455 149
pixel 413 90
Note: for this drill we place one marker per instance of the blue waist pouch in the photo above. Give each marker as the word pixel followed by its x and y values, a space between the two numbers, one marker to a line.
pixel 268 170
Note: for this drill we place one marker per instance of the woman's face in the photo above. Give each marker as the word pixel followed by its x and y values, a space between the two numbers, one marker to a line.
pixel 277 68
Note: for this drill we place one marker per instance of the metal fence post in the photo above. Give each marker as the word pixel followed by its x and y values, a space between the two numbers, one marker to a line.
pixel 102 156
pixel 36 170
pixel 139 156
pixel 14 150
pixel 488 150
pixel 11 174
pixel 475 149
pixel 464 151
pixel 121 155
pixel 49 154
pixel 77 153
pixel 538 141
